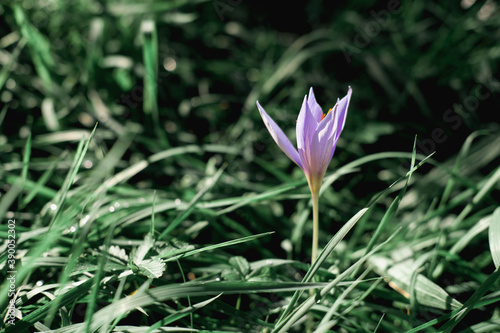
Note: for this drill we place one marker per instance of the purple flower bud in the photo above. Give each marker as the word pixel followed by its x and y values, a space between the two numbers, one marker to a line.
pixel 317 136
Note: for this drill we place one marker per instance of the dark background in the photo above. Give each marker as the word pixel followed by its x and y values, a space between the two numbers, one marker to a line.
pixel 425 69
pixel 422 68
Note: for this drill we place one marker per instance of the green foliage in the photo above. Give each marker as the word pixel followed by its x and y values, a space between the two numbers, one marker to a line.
pixel 144 193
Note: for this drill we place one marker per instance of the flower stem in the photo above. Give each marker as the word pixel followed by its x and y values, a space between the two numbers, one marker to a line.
pixel 315 202
pixel 314 254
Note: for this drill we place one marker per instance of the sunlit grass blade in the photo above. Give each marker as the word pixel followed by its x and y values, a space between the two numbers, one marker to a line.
pixel 261 196
pixel 76 292
pixel 487 326
pixel 106 166
pixel 92 304
pixel 192 204
pixel 162 293
pixel 394 205
pixel 124 9
pixel 326 322
pixel 150 56
pixel 285 324
pixel 464 151
pixel 321 258
pixel 405 277
pixel 39 47
pixel 475 230
pixel 170 256
pixel 39 187
pixel 484 301
pixel 485 188
pixel 10 196
pixel 182 313
pixel 26 161
pixel 4 72
pixel 471 302
pixel 70 177
pixel 150 95
pixel 494 237
pixel 47 242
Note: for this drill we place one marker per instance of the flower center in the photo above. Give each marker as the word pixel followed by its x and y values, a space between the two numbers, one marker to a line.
pixel 325 114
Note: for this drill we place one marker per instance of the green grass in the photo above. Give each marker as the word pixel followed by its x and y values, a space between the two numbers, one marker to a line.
pixel 148 195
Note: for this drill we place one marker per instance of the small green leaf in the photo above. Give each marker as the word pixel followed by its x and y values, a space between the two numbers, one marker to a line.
pixel 241 264
pixel 143 249
pixel 152 268
pixel 118 252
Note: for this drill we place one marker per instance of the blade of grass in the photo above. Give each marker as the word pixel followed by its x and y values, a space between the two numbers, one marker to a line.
pixel 113 157
pixel 333 309
pixel 78 291
pixel 26 161
pixel 284 325
pixel 321 258
pixel 152 229
pixel 44 244
pixel 181 314
pixel 77 249
pixel 335 240
pixel 494 237
pixel 405 277
pixel 484 301
pixel 262 196
pixel 39 186
pixel 456 167
pixel 144 297
pixel 39 47
pixel 4 73
pixel 175 256
pixel 10 196
pixel 485 188
pixel 471 302
pixel 77 162
pixel 2 114
pixel 394 205
pixel 92 304
pixel 192 204
pixel 150 57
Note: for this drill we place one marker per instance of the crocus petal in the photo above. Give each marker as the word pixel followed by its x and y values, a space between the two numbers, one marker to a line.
pixel 316 110
pixel 306 126
pixel 279 137
pixel 321 146
pixel 340 115
pixel 343 105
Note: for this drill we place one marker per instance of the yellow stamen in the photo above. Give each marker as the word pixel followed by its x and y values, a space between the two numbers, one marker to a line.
pixel 325 114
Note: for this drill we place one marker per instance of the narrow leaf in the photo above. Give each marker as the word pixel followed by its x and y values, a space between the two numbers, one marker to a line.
pixel 494 237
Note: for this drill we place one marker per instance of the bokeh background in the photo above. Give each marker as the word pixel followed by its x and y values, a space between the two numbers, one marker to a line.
pixel 163 74
pixel 177 73
pixel 182 77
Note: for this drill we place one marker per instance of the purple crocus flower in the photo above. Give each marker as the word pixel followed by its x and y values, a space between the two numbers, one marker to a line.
pixel 317 135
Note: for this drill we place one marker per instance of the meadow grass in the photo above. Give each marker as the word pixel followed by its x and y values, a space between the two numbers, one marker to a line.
pixel 142 193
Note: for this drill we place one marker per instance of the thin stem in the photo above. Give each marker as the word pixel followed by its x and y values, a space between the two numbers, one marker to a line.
pixel 315 202
pixel 314 254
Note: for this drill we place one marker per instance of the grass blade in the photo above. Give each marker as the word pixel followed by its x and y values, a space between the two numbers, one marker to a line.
pixel 494 237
